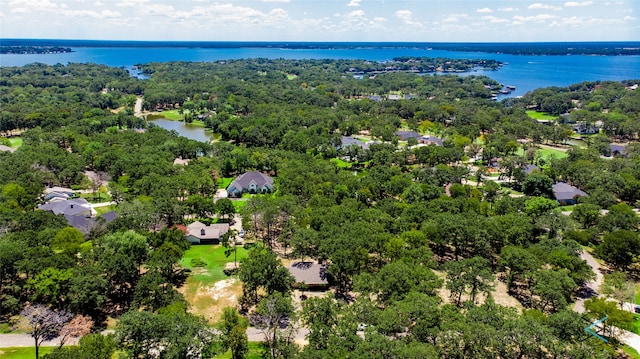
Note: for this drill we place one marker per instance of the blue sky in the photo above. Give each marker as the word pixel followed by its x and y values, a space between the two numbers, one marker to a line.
pixel 329 20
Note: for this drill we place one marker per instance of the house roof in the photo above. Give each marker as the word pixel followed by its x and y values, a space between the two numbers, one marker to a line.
pixel 212 231
pixel 433 140
pixel 180 161
pixel 350 141
pixel 530 168
pixel 563 191
pixel 245 179
pixel 309 273
pixel 405 135
pixel 71 207
pixel 618 147
pixel 87 224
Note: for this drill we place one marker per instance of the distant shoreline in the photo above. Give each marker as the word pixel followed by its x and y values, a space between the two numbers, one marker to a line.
pixel 611 48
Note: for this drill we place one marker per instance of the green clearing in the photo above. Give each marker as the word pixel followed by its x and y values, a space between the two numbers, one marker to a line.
pixel 631 352
pixel 105 209
pixel 547 153
pixel 635 324
pixel 224 182
pixel 239 204
pixel 97 198
pixel 15 142
pixel 537 115
pixel 340 163
pixel 292 76
pixel 213 260
pixel 170 115
pixel 255 352
pixel 637 291
pixel 23 352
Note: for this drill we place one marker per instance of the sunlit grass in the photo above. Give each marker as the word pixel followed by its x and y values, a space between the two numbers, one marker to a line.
pixel 537 115
pixel 23 352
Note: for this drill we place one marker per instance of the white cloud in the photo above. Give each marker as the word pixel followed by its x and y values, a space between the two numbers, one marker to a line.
pixel 98 3
pixel 519 20
pixel 575 3
pixel 484 10
pixel 131 3
pixel 454 18
pixel 354 3
pixel 540 6
pixel 508 9
pixel 285 1
pixel 495 19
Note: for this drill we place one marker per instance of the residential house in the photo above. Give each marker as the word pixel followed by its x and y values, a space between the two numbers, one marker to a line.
pixel 70 207
pixel 309 275
pixel 58 193
pixel 86 225
pixel 432 140
pixel 251 182
pixel 618 149
pixel 350 141
pixel 200 233
pixel 406 135
pixel 567 194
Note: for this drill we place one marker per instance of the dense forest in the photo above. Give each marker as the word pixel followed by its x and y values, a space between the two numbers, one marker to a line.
pixel 416 238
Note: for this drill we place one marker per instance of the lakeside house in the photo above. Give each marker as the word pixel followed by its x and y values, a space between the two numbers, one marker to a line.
pixel 250 182
pixel 309 275
pixel 200 233
pixel 567 194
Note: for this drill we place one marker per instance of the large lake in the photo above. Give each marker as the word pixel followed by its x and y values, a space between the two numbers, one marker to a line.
pixel 525 72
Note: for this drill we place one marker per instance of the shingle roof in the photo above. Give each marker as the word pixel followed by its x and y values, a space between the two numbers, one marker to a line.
pixel 433 140
pixel 245 179
pixel 350 141
pixel 309 273
pixel 72 207
pixel 563 191
pixel 212 231
pixel 405 135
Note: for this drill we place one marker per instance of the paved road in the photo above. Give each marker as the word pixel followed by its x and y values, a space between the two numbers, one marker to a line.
pixel 137 109
pixel 591 289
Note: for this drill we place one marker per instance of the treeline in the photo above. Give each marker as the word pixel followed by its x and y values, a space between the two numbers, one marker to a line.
pixel 415 237
pixel 33 49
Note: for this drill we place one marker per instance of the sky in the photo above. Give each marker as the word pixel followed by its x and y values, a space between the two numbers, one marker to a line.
pixel 328 20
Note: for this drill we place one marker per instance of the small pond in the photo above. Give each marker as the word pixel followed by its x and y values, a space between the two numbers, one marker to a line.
pixel 184 129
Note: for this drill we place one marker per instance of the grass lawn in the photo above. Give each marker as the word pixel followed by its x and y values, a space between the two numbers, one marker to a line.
pixel 631 352
pixel 213 259
pixel 340 163
pixel 15 142
pixel 105 209
pixel 637 293
pixel 255 352
pixel 239 204
pixel 172 115
pixel 547 153
pixel 635 325
pixel 224 182
pixel 23 352
pixel 97 198
pixel 537 115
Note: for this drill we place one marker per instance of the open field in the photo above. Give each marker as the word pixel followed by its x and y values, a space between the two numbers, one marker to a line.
pixel 208 290
pixel 15 142
pixel 548 153
pixel 537 115
pixel 23 352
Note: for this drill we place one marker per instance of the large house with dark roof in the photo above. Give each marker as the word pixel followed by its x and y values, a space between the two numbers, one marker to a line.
pixel 250 182
pixel 567 194
pixel 406 135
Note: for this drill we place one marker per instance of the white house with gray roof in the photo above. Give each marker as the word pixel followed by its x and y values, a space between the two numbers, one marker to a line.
pixel 200 233
pixel 250 182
